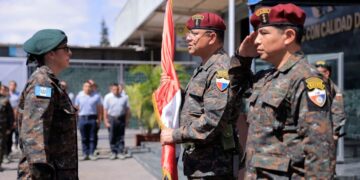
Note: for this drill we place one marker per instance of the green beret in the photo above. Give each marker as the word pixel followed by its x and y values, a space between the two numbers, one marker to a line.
pixel 44 41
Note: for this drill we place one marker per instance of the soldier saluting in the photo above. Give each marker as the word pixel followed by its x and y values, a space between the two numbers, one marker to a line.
pixel 290 131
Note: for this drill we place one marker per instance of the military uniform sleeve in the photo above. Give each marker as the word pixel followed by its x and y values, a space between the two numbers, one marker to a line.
pixel 316 129
pixel 204 128
pixel 36 122
pixel 241 76
pixel 338 112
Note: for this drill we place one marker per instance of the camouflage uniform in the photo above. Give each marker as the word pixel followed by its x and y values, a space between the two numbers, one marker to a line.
pixel 337 114
pixel 6 120
pixel 207 121
pixel 47 130
pixel 337 109
pixel 290 135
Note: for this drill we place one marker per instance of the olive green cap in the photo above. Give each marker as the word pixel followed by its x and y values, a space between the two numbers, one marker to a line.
pixel 44 41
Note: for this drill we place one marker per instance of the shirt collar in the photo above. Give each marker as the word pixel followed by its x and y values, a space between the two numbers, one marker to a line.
pixel 213 59
pixel 49 72
pixel 293 59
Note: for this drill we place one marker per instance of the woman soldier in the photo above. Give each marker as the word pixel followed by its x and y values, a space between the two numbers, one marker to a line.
pixel 47 125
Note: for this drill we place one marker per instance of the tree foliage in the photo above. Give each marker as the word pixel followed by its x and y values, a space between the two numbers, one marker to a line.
pixel 141 93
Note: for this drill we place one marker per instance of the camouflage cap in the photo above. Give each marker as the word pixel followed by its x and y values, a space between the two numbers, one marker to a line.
pixel 44 41
pixel 322 63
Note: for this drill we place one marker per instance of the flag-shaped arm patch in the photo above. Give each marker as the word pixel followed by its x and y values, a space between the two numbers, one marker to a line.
pixel 42 91
pixel 222 80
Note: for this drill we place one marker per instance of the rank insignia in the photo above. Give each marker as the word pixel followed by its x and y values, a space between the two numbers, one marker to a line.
pixel 42 91
pixel 222 80
pixel 263 14
pixel 316 91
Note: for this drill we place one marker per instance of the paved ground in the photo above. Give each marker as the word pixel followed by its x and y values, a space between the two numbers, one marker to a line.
pixel 103 168
pixel 145 163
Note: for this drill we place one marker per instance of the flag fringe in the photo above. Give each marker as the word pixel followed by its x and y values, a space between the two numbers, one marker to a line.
pixel 156 111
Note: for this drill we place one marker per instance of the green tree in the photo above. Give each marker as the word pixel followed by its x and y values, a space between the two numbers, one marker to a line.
pixel 104 42
pixel 141 93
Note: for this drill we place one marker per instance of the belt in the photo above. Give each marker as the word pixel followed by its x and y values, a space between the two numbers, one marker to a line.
pixel 88 117
pixel 117 117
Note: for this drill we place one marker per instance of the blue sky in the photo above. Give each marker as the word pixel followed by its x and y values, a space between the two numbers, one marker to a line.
pixel 80 19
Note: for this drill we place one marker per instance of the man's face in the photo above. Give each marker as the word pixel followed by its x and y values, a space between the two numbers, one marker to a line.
pixel 12 86
pixel 63 85
pixel 324 72
pixel 4 91
pixel 198 40
pixel 87 88
pixel 115 90
pixel 270 43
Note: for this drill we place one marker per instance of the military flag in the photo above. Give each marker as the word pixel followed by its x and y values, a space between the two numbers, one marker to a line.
pixel 167 98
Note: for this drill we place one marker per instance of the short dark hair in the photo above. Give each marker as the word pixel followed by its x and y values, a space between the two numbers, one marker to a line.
pixel 299 30
pixel 220 35
pixel 114 84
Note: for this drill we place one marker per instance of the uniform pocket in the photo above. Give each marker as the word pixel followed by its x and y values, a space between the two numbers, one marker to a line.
pixel 196 98
pixel 275 104
pixel 270 162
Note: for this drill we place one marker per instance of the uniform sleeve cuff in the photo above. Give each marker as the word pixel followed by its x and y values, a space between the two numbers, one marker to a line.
pixel 245 62
pixel 177 137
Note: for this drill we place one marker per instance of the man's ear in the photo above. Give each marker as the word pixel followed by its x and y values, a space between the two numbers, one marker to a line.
pixel 213 36
pixel 290 36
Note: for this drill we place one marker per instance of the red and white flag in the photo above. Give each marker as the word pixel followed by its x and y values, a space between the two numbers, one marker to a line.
pixel 167 98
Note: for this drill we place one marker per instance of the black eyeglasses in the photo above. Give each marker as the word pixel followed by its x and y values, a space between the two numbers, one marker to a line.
pixel 66 48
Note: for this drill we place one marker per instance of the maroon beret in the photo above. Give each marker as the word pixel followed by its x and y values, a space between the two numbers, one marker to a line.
pixel 281 14
pixel 206 20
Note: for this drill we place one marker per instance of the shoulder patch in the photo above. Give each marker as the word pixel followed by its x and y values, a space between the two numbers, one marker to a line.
pixel 42 91
pixel 316 91
pixel 222 79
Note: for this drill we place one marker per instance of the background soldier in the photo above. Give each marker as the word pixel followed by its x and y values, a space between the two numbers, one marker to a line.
pixel 6 120
pixel 337 107
pixel 47 127
pixel 290 132
pixel 207 117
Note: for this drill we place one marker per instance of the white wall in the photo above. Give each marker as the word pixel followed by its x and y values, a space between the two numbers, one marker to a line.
pixel 134 13
pixel 13 68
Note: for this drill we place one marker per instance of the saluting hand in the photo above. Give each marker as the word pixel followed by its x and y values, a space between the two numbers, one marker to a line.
pixel 248 46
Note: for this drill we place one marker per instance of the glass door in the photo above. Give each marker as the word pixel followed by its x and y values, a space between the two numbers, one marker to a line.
pixel 336 61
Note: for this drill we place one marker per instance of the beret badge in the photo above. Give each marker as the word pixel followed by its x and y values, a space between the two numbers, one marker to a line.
pixel 197 19
pixel 263 14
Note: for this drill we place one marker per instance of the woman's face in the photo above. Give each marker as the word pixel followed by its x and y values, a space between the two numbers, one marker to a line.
pixel 61 56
